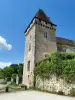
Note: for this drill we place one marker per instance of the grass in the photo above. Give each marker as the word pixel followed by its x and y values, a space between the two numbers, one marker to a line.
pixel 14 87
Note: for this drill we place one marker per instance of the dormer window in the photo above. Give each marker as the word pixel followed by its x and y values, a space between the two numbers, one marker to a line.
pixel 46 35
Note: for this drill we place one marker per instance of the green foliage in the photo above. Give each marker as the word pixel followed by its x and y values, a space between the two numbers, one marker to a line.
pixel 69 70
pixel 12 71
pixel 1 74
pixel 60 64
pixel 7 72
pixel 15 68
pixel 43 71
pixel 72 92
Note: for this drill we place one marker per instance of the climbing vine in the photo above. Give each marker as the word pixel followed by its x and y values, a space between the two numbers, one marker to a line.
pixel 60 64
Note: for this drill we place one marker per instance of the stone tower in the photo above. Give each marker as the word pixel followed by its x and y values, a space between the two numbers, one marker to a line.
pixel 40 42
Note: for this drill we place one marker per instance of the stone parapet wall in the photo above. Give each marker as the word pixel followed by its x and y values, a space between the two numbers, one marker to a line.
pixel 54 85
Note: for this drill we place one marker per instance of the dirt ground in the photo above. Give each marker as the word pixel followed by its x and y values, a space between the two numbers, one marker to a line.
pixel 32 95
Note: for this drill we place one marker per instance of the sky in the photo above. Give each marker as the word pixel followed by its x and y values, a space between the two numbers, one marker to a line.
pixel 15 15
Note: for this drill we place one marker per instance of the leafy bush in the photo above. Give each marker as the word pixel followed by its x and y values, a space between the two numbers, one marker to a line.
pixel 60 64
pixel 12 71
pixel 72 92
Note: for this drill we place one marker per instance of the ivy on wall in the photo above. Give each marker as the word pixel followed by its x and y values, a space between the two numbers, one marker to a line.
pixel 60 64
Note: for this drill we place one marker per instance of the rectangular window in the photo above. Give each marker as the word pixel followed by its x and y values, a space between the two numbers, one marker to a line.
pixel 45 35
pixel 28 66
pixel 64 49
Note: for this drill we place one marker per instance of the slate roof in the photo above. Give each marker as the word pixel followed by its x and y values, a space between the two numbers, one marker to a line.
pixel 42 16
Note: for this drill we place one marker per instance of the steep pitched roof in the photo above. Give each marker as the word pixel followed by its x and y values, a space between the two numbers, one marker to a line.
pixel 42 16
pixel 63 41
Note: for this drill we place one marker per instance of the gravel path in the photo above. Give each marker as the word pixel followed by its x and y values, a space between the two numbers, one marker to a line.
pixel 4 85
pixel 32 95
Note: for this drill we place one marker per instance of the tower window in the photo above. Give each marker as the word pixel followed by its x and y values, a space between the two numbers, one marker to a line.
pixel 45 35
pixel 29 46
pixel 28 66
pixel 64 49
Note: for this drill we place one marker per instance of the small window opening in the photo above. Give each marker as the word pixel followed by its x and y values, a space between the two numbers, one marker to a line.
pixel 45 35
pixel 28 67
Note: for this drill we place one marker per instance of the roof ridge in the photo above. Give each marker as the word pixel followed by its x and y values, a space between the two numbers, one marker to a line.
pixel 64 38
pixel 42 15
pixel 64 41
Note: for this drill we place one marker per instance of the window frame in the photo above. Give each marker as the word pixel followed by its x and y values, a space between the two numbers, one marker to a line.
pixel 28 66
pixel 45 35
pixel 64 49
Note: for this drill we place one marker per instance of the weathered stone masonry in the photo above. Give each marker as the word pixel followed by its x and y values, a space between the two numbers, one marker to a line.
pixel 40 41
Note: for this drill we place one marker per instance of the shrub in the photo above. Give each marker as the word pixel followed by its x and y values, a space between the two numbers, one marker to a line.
pixel 60 93
pixel 60 64
pixel 72 92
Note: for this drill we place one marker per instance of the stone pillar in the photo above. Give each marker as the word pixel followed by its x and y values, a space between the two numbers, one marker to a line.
pixel 11 80
pixel 17 79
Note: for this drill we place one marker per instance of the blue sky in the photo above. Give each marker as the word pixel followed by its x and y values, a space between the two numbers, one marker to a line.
pixel 15 16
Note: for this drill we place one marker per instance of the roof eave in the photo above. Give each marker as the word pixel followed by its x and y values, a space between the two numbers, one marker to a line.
pixel 38 18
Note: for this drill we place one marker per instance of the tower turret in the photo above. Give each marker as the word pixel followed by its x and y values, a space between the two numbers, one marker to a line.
pixel 40 42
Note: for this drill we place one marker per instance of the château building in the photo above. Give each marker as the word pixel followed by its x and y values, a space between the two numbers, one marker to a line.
pixel 40 41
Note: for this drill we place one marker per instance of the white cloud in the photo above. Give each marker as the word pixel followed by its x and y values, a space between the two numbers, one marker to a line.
pixel 4 44
pixel 4 64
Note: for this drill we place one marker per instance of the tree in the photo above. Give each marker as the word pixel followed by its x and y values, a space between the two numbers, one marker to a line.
pixel 12 71
pixel 1 74
pixel 20 72
pixel 8 71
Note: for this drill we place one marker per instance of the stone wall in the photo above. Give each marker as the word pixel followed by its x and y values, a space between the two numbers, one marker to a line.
pixel 44 45
pixel 62 48
pixel 29 55
pixel 39 47
pixel 54 85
